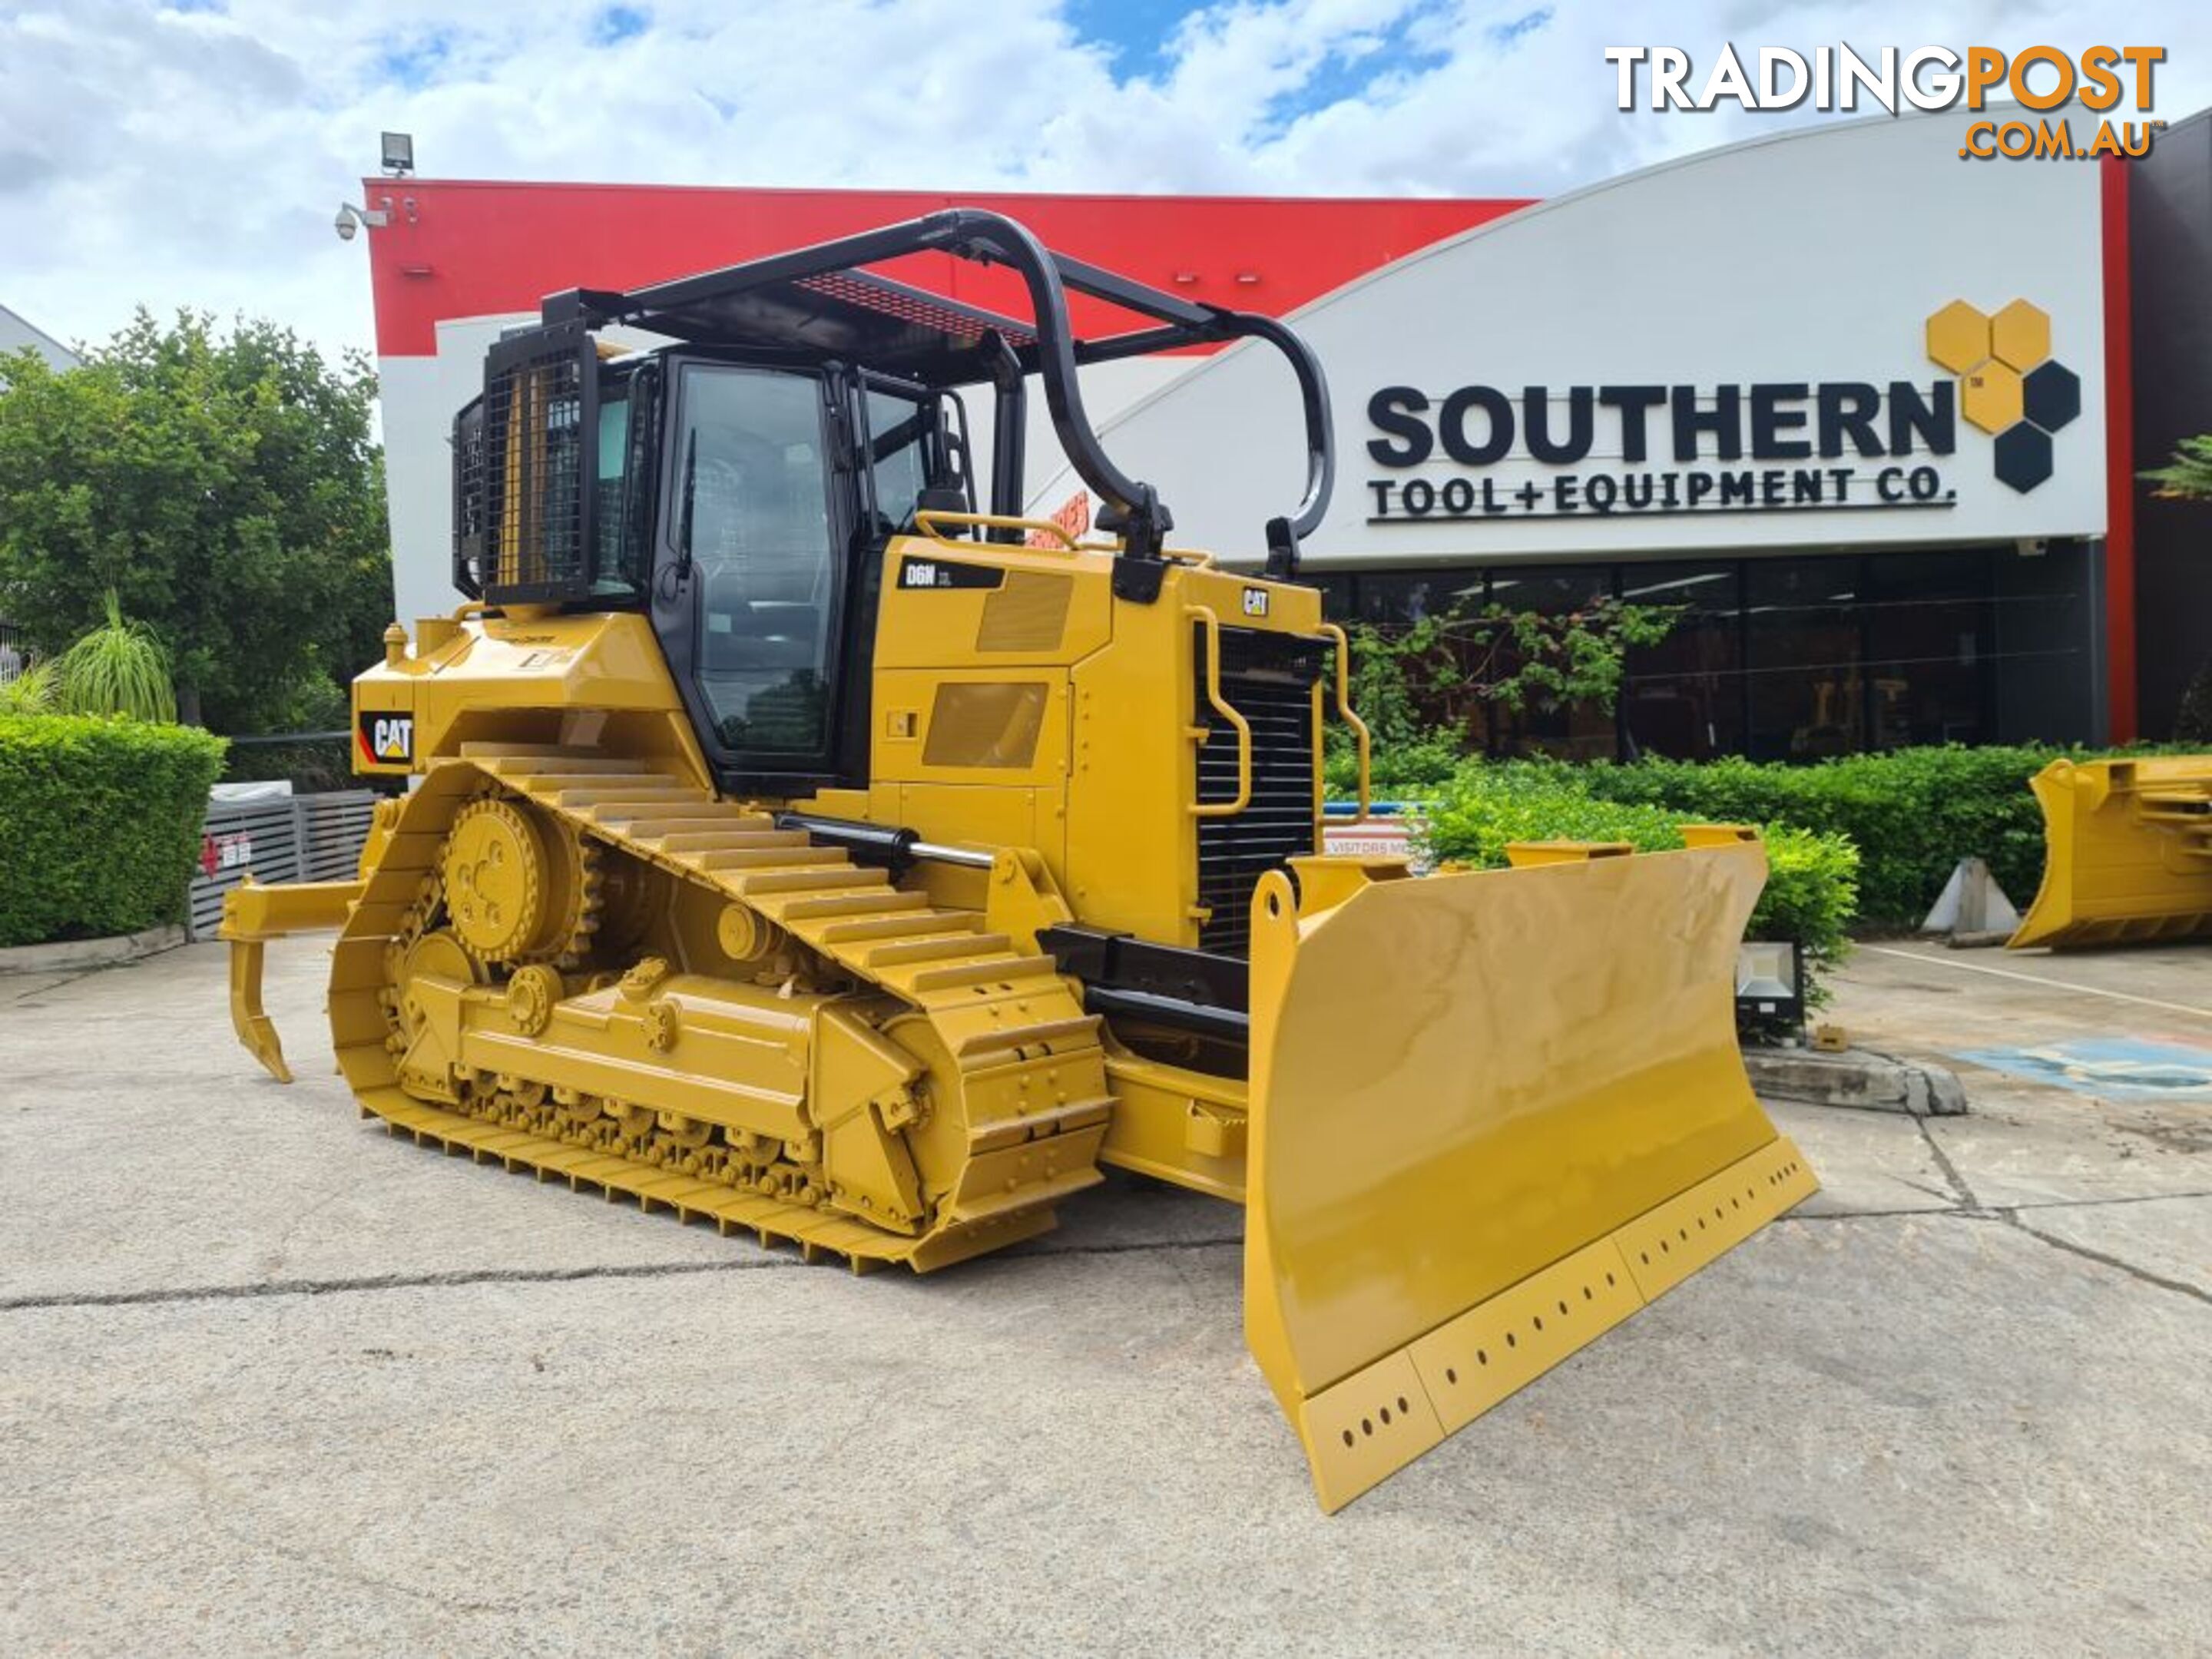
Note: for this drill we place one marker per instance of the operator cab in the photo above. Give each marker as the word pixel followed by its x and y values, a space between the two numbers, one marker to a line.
pixel 746 505
pixel 745 477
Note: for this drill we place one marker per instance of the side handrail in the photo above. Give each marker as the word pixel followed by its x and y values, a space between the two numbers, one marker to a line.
pixel 1345 712
pixel 929 519
pixel 1211 625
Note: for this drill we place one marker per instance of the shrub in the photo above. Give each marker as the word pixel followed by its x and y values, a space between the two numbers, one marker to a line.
pixel 1395 771
pixel 118 668
pixel 1811 888
pixel 1913 813
pixel 34 690
pixel 99 822
pixel 2192 722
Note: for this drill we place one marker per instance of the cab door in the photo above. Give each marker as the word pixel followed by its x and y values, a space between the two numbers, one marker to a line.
pixel 752 573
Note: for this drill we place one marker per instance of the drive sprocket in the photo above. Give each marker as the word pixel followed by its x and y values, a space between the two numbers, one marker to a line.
pixel 519 886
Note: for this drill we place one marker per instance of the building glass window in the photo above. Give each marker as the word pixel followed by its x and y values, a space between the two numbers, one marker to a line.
pixel 1683 697
pixel 1336 597
pixel 1803 619
pixel 1580 731
pixel 1399 598
pixel 1786 658
pixel 2043 683
pixel 1927 629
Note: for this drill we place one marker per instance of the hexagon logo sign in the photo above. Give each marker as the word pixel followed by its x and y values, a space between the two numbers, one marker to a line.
pixel 1991 395
pixel 2009 384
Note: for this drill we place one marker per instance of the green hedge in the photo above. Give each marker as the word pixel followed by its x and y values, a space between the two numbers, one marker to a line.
pixel 1812 882
pixel 1913 813
pixel 1394 771
pixel 100 823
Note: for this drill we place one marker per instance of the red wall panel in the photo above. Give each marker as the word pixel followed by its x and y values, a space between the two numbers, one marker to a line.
pixel 470 249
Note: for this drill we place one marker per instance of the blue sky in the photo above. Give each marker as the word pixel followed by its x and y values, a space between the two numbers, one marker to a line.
pixel 1134 32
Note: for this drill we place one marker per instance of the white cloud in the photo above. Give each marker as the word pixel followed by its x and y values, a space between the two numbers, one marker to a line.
pixel 194 156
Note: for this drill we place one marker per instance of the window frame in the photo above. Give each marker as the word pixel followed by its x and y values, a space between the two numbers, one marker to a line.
pixel 944 402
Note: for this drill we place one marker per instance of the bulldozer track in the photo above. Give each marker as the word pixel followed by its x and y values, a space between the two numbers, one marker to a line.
pixel 1030 1066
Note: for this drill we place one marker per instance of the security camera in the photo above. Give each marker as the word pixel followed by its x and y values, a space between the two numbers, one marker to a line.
pixel 350 219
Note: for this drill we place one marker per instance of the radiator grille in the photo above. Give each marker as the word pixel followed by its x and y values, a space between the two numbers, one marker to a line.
pixel 1269 678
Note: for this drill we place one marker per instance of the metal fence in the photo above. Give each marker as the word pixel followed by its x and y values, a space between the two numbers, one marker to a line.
pixel 15 652
pixel 279 838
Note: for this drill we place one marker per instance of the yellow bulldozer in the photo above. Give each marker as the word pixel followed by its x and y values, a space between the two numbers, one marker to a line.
pixel 783 841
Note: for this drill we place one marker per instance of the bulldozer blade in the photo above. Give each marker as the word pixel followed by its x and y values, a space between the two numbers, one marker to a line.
pixel 2127 852
pixel 1494 1115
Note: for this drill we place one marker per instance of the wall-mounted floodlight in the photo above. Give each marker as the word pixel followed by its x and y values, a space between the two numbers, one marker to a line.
pixel 399 154
pixel 1770 981
pixel 350 219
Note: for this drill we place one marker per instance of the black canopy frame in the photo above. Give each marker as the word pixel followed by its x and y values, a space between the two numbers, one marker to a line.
pixel 819 301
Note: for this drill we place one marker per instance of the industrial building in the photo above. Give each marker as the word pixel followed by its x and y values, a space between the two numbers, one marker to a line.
pixel 17 332
pixel 1871 414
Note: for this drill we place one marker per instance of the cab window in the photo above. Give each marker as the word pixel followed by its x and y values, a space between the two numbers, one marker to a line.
pixel 615 572
pixel 907 454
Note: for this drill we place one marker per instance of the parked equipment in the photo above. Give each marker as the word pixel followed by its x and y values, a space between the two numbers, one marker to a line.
pixel 2127 852
pixel 796 847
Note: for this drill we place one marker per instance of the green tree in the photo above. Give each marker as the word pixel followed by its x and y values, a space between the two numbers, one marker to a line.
pixel 2188 478
pixel 227 489
pixel 1434 674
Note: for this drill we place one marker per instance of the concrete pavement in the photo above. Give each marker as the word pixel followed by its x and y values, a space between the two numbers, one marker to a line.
pixel 271 1380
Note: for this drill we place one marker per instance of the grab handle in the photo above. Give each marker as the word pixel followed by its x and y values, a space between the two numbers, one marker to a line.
pixel 1211 625
pixel 1344 710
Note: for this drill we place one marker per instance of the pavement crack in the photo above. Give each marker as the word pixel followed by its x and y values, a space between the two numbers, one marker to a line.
pixel 1959 1189
pixel 2104 1259
pixel 2098 1203
pixel 291 1287
pixel 1948 1197
pixel 461 1278
pixel 2009 1215
pixel 1139 1246
pixel 32 995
